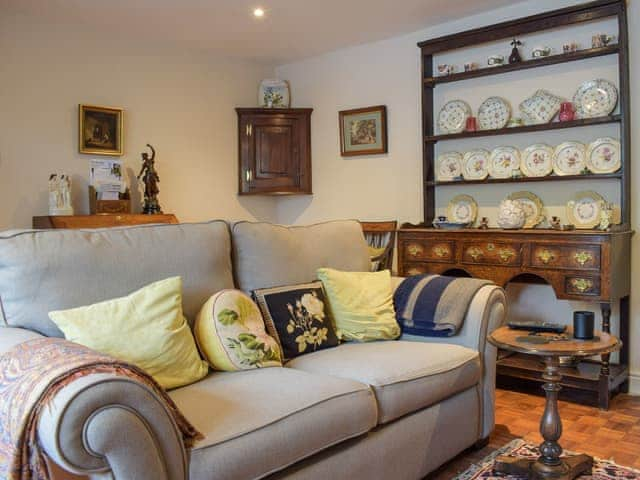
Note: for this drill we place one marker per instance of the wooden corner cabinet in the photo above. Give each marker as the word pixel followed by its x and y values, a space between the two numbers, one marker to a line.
pixel 274 146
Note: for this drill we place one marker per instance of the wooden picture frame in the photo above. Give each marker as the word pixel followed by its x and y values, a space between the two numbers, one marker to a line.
pixel 363 131
pixel 100 130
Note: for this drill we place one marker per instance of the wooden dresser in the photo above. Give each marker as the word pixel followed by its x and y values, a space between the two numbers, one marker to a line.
pixel 100 221
pixel 590 266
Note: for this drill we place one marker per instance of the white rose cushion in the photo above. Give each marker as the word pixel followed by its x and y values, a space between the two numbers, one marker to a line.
pixel 231 335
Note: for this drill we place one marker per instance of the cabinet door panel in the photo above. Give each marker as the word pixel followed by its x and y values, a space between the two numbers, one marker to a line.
pixel 274 154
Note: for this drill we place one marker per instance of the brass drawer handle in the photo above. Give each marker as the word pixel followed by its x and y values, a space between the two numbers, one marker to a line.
pixel 583 257
pixel 442 252
pixel 505 254
pixel 475 252
pixel 414 271
pixel 582 284
pixel 546 256
pixel 414 250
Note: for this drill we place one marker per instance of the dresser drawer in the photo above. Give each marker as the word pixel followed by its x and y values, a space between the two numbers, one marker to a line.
pixel 492 253
pixel 565 256
pixel 410 269
pixel 582 285
pixel 429 250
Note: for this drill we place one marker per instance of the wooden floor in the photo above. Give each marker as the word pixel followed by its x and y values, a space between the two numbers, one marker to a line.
pixel 614 434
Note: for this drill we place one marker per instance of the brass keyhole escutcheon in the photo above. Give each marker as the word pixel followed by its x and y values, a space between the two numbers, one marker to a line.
pixel 583 257
pixel 414 250
pixel 441 251
pixel 505 254
pixel 475 252
pixel 546 256
pixel 582 284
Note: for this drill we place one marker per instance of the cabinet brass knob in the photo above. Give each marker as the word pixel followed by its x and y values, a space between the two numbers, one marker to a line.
pixel 475 252
pixel 414 250
pixel 546 256
pixel 441 251
pixel 583 257
pixel 505 254
pixel 582 284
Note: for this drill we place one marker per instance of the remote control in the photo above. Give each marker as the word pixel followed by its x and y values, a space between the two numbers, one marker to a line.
pixel 537 326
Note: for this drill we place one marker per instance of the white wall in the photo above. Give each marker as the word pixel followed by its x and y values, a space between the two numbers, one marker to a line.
pixel 389 186
pixel 182 103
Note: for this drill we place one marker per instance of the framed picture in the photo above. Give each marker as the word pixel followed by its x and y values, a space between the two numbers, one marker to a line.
pixel 363 131
pixel 100 130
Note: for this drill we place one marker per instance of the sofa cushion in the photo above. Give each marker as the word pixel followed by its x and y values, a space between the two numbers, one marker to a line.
pixel 260 421
pixel 405 376
pixel 41 271
pixel 268 255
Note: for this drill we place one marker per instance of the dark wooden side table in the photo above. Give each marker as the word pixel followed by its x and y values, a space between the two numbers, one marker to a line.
pixel 550 347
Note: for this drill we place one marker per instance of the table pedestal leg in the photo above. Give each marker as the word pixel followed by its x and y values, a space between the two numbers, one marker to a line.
pixel 548 465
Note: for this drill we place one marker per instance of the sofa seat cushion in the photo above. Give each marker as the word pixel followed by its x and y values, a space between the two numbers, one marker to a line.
pixel 405 376
pixel 260 421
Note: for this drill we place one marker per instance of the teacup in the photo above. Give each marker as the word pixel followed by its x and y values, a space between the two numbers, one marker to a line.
pixel 539 52
pixel 495 60
pixel 445 69
pixel 570 47
pixel 470 66
pixel 601 40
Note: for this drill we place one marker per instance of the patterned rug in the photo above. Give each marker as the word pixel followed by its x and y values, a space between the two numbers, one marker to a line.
pixel 602 469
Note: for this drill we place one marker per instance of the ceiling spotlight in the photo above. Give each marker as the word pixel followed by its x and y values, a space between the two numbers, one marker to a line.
pixel 258 12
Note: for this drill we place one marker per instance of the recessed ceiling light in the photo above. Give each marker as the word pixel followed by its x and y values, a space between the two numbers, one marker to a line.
pixel 258 12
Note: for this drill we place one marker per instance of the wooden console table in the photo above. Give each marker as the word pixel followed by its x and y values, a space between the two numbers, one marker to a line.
pixel 100 221
pixel 584 265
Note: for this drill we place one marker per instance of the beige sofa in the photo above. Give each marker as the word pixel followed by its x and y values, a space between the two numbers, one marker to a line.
pixel 395 409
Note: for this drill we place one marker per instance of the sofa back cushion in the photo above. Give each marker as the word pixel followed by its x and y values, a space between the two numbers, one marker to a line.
pixel 267 255
pixel 41 271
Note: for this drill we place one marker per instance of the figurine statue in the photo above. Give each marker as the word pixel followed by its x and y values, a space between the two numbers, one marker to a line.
pixel 606 216
pixel 150 179
pixel 60 194
pixel 515 54
pixel 511 214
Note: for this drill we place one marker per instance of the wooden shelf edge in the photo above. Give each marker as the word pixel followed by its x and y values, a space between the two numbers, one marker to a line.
pixel 524 65
pixel 548 178
pixel 583 122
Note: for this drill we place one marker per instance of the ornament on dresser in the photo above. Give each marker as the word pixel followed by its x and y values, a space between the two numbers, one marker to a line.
pixel 515 56
pixel 512 215
pixel 60 194
pixel 606 216
pixel 150 179
pixel 540 52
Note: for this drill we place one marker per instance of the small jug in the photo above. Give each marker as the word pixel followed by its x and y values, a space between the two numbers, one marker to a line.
pixel 566 112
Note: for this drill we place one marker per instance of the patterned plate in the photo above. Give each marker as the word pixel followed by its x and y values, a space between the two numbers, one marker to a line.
pixel 569 158
pixel 453 116
pixel 537 160
pixel 449 166
pixel 595 98
pixel 462 209
pixel 475 164
pixel 585 209
pixel 532 206
pixel 603 155
pixel 540 107
pixel 504 161
pixel 494 112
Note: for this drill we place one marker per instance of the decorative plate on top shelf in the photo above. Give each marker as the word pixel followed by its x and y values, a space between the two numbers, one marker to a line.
pixel 453 116
pixel 585 209
pixel 475 164
pixel 449 166
pixel 532 205
pixel 603 155
pixel 504 161
pixel 595 98
pixel 537 160
pixel 494 113
pixel 569 158
pixel 462 209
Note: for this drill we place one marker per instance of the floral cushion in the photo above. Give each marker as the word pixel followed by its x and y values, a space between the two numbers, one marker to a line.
pixel 230 333
pixel 297 317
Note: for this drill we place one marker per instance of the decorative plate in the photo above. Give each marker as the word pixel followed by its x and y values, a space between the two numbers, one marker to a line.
pixel 462 209
pixel 603 155
pixel 532 206
pixel 453 116
pixel 569 158
pixel 504 161
pixel 449 166
pixel 475 164
pixel 541 107
pixel 537 160
pixel 585 209
pixel 273 92
pixel 595 98
pixel 493 113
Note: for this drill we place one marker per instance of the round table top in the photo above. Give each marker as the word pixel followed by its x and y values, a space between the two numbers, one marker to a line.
pixel 559 344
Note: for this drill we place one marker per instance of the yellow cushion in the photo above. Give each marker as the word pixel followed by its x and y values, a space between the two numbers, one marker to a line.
pixel 231 334
pixel 361 304
pixel 145 328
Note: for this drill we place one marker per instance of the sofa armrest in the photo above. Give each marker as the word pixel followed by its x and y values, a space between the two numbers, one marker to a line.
pixel 486 312
pixel 10 337
pixel 108 426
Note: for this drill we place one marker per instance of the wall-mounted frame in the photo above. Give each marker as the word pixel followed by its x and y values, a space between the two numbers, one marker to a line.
pixel 100 130
pixel 363 131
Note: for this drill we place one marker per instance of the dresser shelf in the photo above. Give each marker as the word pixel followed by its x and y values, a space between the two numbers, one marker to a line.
pixel 583 122
pixel 548 178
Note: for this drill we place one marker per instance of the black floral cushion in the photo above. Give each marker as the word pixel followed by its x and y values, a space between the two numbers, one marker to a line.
pixel 297 317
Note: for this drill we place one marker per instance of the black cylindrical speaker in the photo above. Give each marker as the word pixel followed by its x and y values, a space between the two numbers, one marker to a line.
pixel 583 325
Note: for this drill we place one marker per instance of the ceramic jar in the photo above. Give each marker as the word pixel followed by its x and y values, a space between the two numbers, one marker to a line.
pixel 566 112
pixel 512 215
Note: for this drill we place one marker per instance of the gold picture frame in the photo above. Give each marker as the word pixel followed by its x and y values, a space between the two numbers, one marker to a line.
pixel 363 131
pixel 100 130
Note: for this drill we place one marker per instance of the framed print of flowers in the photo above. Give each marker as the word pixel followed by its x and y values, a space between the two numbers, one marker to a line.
pixel 363 131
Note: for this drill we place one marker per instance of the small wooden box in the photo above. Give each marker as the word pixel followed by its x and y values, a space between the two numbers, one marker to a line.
pixel 123 205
